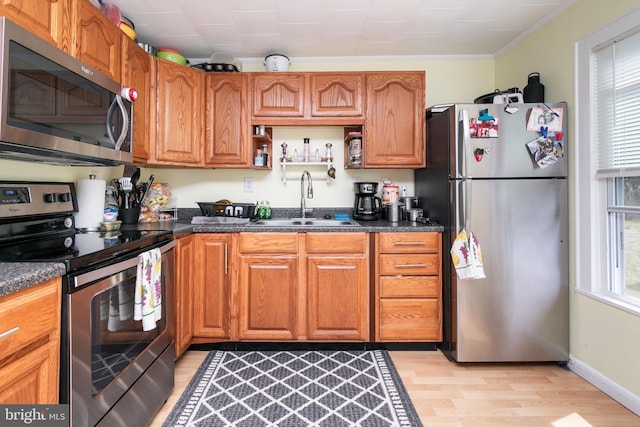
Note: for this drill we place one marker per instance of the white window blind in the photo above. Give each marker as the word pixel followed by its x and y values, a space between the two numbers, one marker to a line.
pixel 616 71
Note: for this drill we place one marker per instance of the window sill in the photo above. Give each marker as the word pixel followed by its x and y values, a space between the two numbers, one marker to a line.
pixel 614 302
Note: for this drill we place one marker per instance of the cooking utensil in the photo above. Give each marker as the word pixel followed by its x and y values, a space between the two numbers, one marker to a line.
pixel 126 187
pixel 147 185
pixel 332 172
pixel 412 214
pixel 135 177
pixel 129 170
pixel 277 62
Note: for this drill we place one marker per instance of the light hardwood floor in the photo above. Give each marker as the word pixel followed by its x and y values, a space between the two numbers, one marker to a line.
pixel 447 394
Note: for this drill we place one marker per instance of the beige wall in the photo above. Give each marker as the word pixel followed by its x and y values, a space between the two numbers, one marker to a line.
pixel 602 337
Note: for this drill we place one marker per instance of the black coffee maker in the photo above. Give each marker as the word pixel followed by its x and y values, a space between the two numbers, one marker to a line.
pixel 367 206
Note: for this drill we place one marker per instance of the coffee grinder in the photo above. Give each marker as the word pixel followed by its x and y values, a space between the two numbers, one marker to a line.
pixel 367 205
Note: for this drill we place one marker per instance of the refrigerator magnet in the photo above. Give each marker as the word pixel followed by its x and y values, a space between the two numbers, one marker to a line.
pixel 483 128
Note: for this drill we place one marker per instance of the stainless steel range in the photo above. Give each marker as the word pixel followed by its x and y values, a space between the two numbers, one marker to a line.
pixel 113 372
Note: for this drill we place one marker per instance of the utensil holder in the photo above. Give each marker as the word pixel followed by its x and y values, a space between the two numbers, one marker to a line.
pixel 130 215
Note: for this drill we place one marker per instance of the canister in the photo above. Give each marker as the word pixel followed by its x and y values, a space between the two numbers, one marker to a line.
pixel 412 214
pixel 390 194
pixel 393 212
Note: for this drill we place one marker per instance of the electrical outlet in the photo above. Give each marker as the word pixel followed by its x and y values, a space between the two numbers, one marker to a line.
pixel 248 184
pixel 385 181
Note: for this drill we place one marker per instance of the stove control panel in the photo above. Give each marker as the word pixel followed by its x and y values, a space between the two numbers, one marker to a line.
pixel 36 198
pixel 14 195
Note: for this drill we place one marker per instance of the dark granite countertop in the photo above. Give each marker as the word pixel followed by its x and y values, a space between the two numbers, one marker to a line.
pixel 15 276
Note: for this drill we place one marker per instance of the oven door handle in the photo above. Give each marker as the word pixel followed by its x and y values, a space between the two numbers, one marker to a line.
pixel 110 270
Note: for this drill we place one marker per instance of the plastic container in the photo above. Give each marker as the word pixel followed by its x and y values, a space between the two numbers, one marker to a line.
pixel 110 205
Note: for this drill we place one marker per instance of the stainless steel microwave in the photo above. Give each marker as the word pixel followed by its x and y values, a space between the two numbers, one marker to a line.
pixel 55 109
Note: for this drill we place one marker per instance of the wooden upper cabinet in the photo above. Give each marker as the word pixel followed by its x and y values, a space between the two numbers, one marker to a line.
pixel 49 19
pixel 279 95
pixel 395 118
pixel 295 98
pixel 138 72
pixel 227 120
pixel 179 105
pixel 337 95
pixel 97 40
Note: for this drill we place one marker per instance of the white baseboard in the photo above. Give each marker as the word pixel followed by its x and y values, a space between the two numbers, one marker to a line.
pixel 615 391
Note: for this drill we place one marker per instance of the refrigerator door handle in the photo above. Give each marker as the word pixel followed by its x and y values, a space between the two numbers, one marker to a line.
pixel 464 202
pixel 465 132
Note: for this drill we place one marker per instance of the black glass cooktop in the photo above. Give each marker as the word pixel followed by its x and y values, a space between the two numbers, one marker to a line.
pixel 82 249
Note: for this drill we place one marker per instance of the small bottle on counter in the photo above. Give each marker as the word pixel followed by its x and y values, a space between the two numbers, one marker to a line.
pixel 306 154
pixel 110 205
pixel 265 155
pixel 267 210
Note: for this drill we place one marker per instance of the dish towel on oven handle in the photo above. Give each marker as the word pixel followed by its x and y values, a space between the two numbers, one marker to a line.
pixel 148 296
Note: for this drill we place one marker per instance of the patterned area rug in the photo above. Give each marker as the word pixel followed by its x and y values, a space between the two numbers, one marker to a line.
pixel 295 389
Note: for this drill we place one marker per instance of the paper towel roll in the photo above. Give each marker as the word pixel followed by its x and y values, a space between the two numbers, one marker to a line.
pixel 91 194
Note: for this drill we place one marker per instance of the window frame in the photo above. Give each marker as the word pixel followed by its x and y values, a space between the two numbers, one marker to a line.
pixel 593 197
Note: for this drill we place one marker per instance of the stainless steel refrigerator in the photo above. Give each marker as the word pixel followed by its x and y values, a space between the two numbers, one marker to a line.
pixel 504 180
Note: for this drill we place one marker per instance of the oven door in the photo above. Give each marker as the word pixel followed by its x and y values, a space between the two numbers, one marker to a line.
pixel 106 351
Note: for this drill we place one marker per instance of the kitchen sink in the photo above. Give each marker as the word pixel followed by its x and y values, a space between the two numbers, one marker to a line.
pixel 304 222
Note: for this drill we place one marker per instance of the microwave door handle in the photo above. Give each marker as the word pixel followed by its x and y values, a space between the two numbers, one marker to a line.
pixel 117 102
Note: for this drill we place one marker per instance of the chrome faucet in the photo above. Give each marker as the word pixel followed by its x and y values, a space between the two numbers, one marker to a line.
pixel 303 205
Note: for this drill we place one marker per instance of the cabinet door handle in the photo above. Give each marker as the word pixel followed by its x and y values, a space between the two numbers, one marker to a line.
pixel 9 332
pixel 410 265
pixel 226 259
pixel 410 243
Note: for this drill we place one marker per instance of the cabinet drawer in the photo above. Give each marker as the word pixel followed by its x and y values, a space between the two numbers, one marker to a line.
pixel 409 264
pixel 409 286
pixel 268 243
pixel 27 315
pixel 408 242
pixel 409 319
pixel 336 242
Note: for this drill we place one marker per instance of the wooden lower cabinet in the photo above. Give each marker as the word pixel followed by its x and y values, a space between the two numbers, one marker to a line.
pixel 30 345
pixel 408 304
pixel 303 287
pixel 312 286
pixel 184 283
pixel 337 286
pixel 268 286
pixel 212 288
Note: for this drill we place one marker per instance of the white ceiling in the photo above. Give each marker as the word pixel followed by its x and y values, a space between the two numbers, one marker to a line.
pixel 336 28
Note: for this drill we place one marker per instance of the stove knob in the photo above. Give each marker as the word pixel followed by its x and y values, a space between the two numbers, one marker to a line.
pixel 68 222
pixel 68 242
pixel 50 198
pixel 64 197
